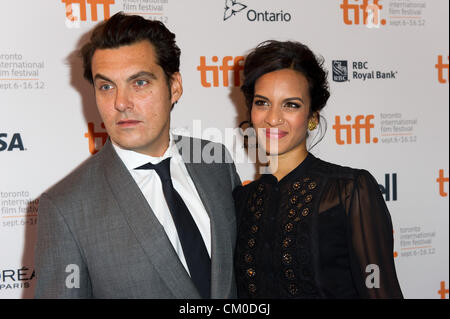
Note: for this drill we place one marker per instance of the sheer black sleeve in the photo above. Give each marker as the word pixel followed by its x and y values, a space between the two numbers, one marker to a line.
pixel 371 240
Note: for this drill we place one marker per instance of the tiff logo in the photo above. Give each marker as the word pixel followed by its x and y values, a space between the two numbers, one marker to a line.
pixel 389 189
pixel 92 137
pixel 361 123
pixel 443 292
pixel 229 64
pixel 441 180
pixel 370 13
pixel 442 67
pixel 79 12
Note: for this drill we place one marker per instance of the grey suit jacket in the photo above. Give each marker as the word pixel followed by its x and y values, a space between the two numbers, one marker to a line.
pixel 98 237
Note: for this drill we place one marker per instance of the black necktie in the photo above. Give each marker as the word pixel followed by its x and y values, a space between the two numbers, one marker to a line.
pixel 194 248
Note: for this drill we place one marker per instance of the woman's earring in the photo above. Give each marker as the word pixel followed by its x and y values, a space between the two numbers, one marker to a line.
pixel 312 125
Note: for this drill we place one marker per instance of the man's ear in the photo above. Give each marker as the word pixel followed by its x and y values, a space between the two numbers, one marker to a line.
pixel 176 87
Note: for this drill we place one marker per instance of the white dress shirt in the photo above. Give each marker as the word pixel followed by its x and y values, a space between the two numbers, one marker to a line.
pixel 150 185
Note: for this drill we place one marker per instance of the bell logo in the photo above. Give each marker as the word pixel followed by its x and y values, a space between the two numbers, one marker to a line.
pixel 441 180
pixel 92 137
pixel 229 64
pixel 80 13
pixel 389 189
pixel 361 123
pixel 11 144
pixel 370 13
pixel 441 67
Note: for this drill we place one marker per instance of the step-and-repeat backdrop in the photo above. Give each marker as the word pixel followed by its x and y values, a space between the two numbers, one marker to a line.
pixel 388 63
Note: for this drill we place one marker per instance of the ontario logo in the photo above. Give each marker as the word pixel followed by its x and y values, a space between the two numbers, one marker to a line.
pixel 233 7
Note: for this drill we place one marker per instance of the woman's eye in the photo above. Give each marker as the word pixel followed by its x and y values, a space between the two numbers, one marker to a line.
pixel 292 105
pixel 260 103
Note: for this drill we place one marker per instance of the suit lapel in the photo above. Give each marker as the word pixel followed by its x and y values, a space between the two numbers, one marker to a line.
pixel 149 232
pixel 203 176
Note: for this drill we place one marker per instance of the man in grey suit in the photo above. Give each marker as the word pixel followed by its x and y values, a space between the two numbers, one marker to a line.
pixel 120 225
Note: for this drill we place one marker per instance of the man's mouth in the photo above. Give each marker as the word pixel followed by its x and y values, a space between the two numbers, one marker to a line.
pixel 128 123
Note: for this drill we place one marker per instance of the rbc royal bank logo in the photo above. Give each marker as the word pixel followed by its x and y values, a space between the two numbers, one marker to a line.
pixel 360 70
pixel 340 71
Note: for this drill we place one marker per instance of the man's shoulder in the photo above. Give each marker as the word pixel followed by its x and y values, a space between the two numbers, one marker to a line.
pixel 195 141
pixel 200 151
pixel 80 180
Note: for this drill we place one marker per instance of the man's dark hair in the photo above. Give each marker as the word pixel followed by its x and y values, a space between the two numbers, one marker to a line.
pixel 274 55
pixel 122 30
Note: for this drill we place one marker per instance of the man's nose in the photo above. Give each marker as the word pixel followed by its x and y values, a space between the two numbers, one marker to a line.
pixel 122 101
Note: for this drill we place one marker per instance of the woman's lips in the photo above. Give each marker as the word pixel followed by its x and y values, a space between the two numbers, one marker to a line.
pixel 275 133
pixel 128 123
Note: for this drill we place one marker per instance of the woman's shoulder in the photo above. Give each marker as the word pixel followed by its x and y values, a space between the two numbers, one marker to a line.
pixel 348 179
pixel 244 189
pixel 337 171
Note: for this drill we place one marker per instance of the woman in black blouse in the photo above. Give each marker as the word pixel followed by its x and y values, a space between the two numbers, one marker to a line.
pixel 308 229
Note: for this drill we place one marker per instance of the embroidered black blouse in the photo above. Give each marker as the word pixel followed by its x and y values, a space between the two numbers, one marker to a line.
pixel 323 231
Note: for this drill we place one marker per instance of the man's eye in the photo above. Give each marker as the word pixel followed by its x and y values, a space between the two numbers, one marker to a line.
pixel 141 82
pixel 105 87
